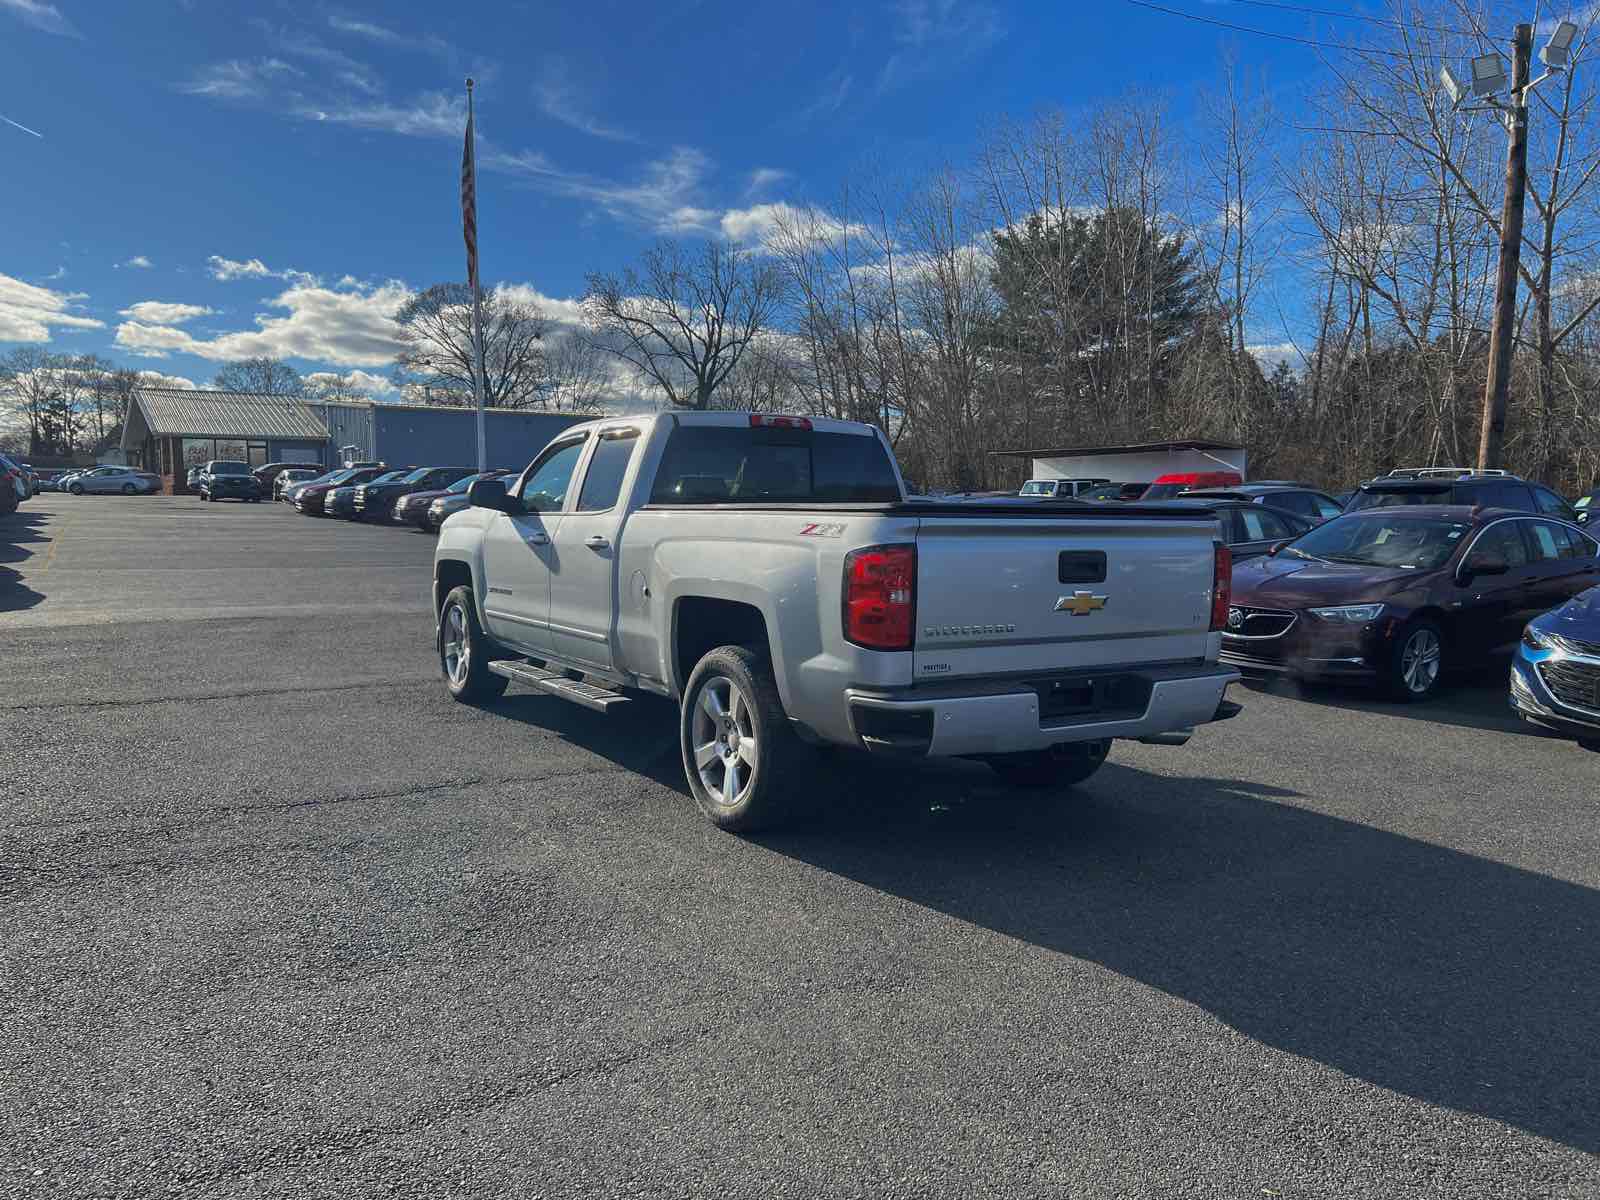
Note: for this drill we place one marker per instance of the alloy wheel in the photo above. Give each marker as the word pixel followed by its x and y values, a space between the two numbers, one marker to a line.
pixel 1420 661
pixel 725 749
pixel 456 648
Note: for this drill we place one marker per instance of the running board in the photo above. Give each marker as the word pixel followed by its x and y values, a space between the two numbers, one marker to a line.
pixel 598 698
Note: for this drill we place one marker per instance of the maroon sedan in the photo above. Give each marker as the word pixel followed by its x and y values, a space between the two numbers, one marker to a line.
pixel 1398 595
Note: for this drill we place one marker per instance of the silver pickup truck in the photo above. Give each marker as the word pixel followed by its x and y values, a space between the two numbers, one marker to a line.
pixel 770 575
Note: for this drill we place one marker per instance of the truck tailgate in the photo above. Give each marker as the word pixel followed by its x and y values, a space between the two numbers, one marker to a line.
pixel 1000 594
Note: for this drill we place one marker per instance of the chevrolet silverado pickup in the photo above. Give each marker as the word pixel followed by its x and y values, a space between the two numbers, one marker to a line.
pixel 770 575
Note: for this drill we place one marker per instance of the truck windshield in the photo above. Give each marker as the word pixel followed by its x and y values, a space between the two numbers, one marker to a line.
pixel 230 468
pixel 1038 487
pixel 712 464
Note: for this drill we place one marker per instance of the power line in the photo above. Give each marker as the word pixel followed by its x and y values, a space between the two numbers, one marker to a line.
pixel 1267 33
pixel 1354 16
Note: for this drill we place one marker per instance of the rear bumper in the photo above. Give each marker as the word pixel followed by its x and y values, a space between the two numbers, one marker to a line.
pixel 1009 722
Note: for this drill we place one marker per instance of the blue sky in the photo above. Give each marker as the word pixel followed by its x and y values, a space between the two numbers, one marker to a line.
pixel 213 179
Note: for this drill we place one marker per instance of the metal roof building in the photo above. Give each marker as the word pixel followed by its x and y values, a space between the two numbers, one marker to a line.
pixel 169 430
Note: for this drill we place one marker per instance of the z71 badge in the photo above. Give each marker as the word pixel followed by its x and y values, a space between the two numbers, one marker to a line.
pixel 817 530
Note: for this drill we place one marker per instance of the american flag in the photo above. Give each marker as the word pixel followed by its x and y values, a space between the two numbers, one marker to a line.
pixel 469 204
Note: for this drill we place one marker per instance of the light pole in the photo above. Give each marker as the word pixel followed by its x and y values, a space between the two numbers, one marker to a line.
pixel 1489 77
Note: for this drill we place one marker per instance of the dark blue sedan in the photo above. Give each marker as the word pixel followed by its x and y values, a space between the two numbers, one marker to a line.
pixel 1555 677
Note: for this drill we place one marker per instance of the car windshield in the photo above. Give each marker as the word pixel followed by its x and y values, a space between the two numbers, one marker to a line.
pixel 1164 491
pixel 461 485
pixel 418 475
pixel 230 468
pixel 1413 544
pixel 389 477
pixel 1038 487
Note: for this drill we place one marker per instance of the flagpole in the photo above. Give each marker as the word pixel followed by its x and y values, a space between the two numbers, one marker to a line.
pixel 479 382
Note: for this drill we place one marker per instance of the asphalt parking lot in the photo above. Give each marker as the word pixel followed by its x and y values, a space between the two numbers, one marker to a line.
pixel 282 920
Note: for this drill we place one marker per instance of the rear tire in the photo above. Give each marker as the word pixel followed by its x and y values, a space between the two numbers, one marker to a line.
pixel 1416 662
pixel 1061 766
pixel 739 752
pixel 128 489
pixel 465 651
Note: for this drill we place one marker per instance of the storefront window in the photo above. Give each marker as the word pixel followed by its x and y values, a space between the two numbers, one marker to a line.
pixel 232 450
pixel 258 454
pixel 198 451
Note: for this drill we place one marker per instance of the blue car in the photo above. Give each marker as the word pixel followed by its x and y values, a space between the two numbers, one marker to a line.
pixel 1555 677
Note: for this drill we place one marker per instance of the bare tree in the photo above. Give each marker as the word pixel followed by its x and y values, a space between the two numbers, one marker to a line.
pixel 436 355
pixel 684 318
pixel 576 379
pixel 263 373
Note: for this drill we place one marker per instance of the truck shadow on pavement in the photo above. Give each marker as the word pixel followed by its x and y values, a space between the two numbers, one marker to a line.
pixel 1447 977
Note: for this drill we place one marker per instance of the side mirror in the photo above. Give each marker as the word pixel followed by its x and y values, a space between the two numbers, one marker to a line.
pixel 1486 565
pixel 491 493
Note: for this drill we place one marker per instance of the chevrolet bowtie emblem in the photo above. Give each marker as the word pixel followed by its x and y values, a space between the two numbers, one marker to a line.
pixel 1081 604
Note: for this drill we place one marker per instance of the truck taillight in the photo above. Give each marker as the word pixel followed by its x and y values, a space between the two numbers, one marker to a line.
pixel 880 597
pixel 1221 585
pixel 768 421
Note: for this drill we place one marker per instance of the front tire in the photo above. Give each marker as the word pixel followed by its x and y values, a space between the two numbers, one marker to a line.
pixel 1416 663
pixel 738 749
pixel 1061 766
pixel 76 489
pixel 128 489
pixel 464 651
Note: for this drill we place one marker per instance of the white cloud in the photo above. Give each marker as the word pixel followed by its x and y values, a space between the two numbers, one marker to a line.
pixel 759 224
pixel 46 17
pixel 835 91
pixel 226 269
pixel 345 328
pixel 561 312
pixel 138 260
pixel 1270 354
pixel 353 381
pixel 157 379
pixel 432 114
pixel 663 199
pixel 158 312
pixel 559 99
pixel 27 312
pixel 385 36
pixel 238 79
pixel 763 178
pixel 58 273
pixel 932 36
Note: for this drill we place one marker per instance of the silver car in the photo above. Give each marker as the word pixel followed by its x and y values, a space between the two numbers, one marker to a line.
pixel 125 480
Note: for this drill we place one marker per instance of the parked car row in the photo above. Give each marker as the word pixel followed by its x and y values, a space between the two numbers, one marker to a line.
pixel 106 481
pixel 419 496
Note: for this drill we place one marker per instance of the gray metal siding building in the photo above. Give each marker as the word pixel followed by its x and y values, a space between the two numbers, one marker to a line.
pixel 169 430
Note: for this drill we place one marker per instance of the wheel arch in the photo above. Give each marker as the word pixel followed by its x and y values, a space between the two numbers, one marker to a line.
pixel 701 623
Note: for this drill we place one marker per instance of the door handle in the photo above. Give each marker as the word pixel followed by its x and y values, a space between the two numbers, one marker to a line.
pixel 537 539
pixel 597 541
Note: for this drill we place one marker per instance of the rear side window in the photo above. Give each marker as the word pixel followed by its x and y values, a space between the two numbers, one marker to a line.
pixel 1549 541
pixel 1260 525
pixel 1298 503
pixel 602 483
pixel 712 464
pixel 1499 494
pixel 1550 504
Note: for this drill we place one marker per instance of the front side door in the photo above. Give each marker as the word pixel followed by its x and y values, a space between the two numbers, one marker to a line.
pixel 519 554
pixel 583 588
pixel 1491 606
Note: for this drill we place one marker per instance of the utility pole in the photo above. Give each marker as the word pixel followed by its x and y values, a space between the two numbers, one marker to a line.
pixel 1503 333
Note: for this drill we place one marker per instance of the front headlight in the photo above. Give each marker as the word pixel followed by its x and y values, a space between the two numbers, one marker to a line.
pixel 1350 614
pixel 1533 639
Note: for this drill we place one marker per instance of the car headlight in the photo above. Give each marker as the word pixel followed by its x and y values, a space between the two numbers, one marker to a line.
pixel 1350 614
pixel 1533 639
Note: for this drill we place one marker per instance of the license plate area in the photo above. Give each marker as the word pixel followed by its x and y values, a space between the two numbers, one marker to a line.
pixel 1069 699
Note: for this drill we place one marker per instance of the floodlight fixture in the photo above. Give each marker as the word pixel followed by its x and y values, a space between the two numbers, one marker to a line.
pixel 1488 74
pixel 1558 52
pixel 1453 86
